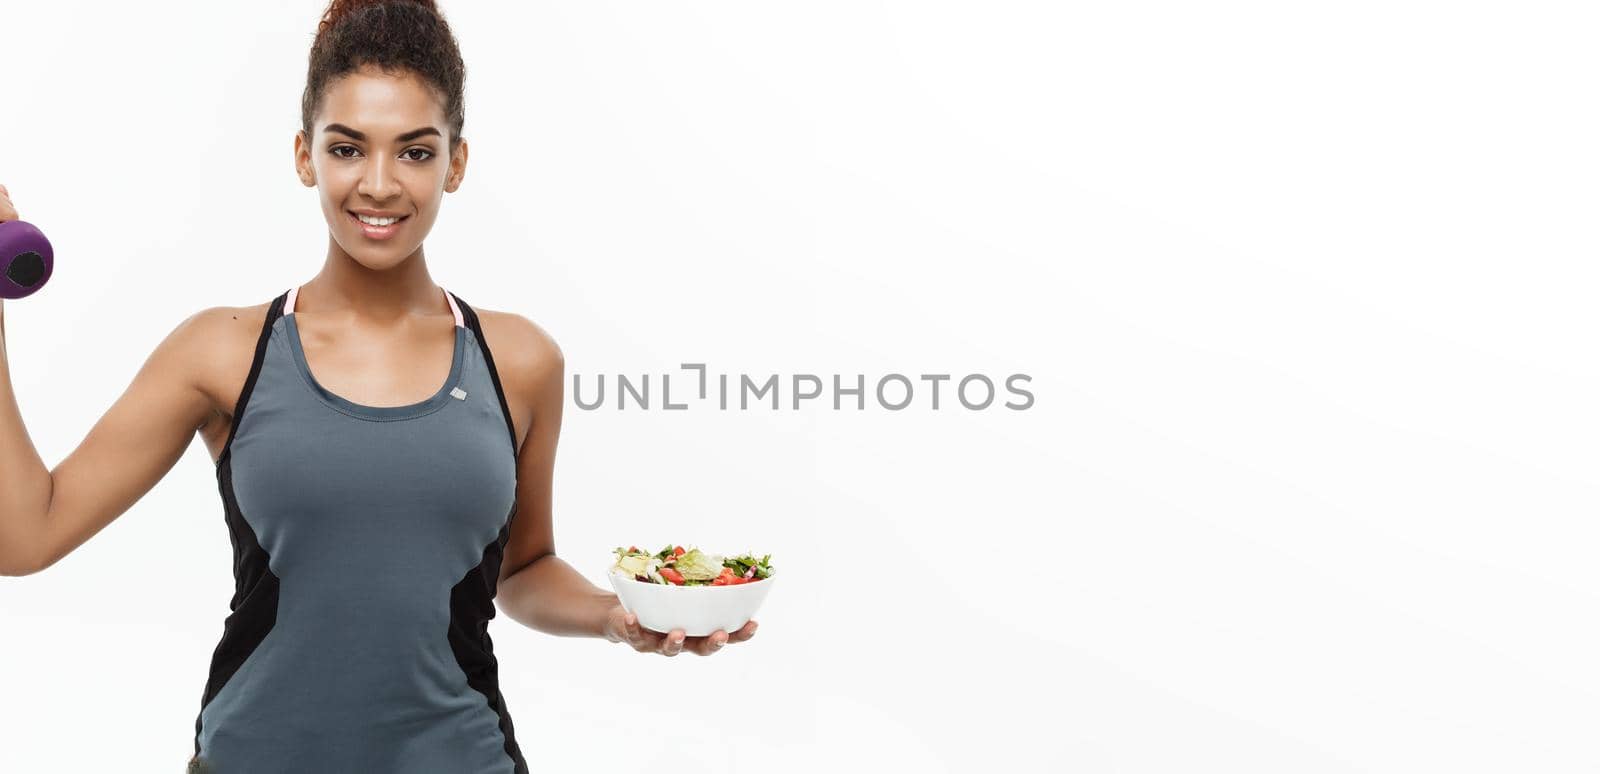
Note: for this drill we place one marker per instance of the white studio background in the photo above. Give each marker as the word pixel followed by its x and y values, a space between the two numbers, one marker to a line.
pixel 1303 290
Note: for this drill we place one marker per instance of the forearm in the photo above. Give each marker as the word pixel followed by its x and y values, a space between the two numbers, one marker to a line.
pixel 25 482
pixel 552 597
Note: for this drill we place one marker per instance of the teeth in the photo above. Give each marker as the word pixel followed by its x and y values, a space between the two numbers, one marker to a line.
pixel 371 221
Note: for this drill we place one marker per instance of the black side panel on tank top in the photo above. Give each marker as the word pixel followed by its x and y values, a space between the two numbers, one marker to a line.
pixel 472 599
pixel 470 316
pixel 254 604
pixel 471 607
pixel 274 311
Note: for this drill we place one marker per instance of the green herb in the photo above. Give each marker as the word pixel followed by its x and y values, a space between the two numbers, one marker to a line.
pixel 743 563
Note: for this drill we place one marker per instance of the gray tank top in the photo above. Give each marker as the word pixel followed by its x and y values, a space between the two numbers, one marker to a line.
pixel 366 547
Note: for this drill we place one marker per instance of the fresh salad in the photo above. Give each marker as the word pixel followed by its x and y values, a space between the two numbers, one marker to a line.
pixel 676 567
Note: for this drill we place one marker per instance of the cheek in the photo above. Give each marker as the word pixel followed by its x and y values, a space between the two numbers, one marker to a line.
pixel 338 190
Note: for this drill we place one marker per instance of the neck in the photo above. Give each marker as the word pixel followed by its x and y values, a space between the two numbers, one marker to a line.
pixel 347 287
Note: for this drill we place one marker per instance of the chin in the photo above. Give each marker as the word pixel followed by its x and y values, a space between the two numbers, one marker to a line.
pixel 381 262
pixel 378 259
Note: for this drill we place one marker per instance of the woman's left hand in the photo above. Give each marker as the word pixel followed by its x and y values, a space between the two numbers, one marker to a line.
pixel 623 626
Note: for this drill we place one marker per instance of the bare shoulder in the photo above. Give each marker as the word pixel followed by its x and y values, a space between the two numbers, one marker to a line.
pixel 529 363
pixel 519 344
pixel 220 342
pixel 232 320
pixel 212 334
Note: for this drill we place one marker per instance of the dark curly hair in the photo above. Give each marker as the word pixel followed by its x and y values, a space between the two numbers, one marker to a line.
pixel 396 36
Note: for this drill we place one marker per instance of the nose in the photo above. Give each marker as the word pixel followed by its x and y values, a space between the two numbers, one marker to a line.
pixel 378 181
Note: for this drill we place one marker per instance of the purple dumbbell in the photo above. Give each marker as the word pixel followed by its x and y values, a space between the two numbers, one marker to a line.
pixel 25 259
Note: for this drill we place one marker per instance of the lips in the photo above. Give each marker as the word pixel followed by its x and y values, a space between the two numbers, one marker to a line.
pixel 378 232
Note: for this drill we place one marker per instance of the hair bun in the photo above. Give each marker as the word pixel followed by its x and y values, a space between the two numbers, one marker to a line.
pixel 339 9
pixel 392 36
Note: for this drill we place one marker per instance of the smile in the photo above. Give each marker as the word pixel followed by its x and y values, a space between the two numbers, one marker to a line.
pixel 378 228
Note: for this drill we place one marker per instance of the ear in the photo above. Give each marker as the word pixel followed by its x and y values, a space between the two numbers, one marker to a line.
pixel 302 160
pixel 458 167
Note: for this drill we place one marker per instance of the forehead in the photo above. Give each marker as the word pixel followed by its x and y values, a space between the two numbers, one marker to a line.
pixel 380 104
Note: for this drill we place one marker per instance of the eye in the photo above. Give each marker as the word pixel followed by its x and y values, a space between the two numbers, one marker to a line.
pixel 335 150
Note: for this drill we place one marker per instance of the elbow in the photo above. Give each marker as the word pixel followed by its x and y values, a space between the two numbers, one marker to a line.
pixel 529 563
pixel 13 568
pixel 23 554
pixel 508 573
pixel 17 563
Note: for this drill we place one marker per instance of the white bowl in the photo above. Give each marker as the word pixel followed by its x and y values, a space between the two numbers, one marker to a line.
pixel 697 610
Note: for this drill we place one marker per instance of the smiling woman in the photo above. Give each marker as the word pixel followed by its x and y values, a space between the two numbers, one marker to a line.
pixel 367 561
pixel 387 86
pixel 373 540
pixel 386 485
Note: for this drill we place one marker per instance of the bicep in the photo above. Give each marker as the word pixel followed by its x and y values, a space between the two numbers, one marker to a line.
pixel 532 534
pixel 132 446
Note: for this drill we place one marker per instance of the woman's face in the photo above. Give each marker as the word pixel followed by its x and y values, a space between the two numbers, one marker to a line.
pixel 379 145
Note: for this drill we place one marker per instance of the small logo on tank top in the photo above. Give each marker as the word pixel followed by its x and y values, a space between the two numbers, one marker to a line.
pixel 458 394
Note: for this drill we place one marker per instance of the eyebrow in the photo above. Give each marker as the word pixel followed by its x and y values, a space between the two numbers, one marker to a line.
pixel 411 135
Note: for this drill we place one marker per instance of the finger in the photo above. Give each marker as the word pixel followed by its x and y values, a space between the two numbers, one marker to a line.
pixel 632 632
pixel 673 644
pixel 745 632
pixel 649 642
pixel 642 639
pixel 711 643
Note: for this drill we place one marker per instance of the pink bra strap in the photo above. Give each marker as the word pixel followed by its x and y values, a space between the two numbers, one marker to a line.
pixel 288 305
pixel 455 309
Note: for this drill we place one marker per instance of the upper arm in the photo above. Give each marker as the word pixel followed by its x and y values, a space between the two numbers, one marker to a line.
pixel 135 443
pixel 533 366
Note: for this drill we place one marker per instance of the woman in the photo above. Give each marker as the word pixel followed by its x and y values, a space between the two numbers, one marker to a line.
pixel 384 476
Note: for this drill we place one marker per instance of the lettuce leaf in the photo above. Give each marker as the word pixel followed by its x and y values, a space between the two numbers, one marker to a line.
pixel 698 565
pixel 639 565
